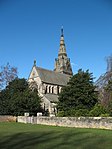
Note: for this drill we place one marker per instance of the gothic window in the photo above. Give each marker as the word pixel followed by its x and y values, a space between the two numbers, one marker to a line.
pixel 57 89
pixel 49 89
pixel 52 90
pixel 60 89
pixel 46 90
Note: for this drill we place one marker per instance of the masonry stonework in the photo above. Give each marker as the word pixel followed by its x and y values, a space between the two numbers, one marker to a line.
pixel 8 118
pixel 78 122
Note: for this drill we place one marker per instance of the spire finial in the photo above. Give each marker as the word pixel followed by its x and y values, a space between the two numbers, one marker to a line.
pixel 34 62
pixel 62 31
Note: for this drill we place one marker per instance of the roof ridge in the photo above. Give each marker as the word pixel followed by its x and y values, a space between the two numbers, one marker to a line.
pixel 51 71
pixel 52 77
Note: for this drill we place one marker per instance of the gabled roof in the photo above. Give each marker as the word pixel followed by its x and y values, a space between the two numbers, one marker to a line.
pixel 52 77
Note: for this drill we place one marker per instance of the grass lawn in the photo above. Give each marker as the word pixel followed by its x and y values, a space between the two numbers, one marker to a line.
pixel 28 136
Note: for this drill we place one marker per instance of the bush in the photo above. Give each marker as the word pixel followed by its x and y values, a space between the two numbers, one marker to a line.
pixel 79 112
pixel 98 110
pixel 105 115
pixel 60 114
pixel 109 107
pixel 73 113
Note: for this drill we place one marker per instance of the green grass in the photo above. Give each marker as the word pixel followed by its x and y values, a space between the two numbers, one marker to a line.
pixel 28 136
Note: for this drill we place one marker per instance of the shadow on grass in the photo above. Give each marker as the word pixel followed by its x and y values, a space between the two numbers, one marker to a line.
pixel 53 140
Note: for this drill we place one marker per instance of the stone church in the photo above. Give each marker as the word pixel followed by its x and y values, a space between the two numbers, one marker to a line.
pixel 48 82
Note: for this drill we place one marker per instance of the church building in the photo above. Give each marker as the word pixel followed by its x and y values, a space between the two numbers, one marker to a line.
pixel 48 82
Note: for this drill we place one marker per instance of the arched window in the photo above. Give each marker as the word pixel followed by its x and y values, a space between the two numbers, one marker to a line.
pixel 60 89
pixel 46 90
pixel 52 90
pixel 57 89
pixel 49 89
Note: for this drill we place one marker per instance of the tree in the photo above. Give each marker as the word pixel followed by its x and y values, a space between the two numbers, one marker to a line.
pixel 79 94
pixel 105 89
pixel 108 89
pixel 17 98
pixel 108 96
pixel 7 74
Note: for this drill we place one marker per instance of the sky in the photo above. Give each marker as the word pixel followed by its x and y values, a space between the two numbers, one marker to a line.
pixel 30 30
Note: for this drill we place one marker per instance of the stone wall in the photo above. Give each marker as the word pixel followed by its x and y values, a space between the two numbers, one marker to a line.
pixel 80 122
pixel 6 118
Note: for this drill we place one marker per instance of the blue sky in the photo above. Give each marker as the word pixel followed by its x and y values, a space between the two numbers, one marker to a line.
pixel 30 29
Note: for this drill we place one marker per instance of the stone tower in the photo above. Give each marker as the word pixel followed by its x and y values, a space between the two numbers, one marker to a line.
pixel 62 63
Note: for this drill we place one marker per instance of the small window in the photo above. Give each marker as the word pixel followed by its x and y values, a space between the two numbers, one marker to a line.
pixel 46 90
pixel 57 89
pixel 52 90
pixel 49 89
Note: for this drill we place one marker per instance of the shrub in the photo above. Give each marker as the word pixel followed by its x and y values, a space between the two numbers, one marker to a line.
pixel 60 114
pixel 98 110
pixel 105 115
pixel 73 113
pixel 79 112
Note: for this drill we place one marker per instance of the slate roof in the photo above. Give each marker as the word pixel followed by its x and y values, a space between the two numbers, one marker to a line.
pixel 52 97
pixel 52 77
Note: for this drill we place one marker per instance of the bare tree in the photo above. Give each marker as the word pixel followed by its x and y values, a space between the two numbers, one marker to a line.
pixel 7 74
pixel 109 63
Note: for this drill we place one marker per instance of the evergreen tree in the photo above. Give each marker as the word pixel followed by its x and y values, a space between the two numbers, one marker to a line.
pixel 17 98
pixel 79 94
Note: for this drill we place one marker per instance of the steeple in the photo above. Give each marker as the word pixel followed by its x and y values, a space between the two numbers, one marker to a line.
pixel 62 49
pixel 62 31
pixel 62 63
pixel 34 63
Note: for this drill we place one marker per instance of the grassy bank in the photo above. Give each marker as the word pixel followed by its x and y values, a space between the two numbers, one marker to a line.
pixel 28 136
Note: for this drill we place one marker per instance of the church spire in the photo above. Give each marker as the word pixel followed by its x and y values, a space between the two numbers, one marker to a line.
pixel 62 31
pixel 62 63
pixel 62 49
